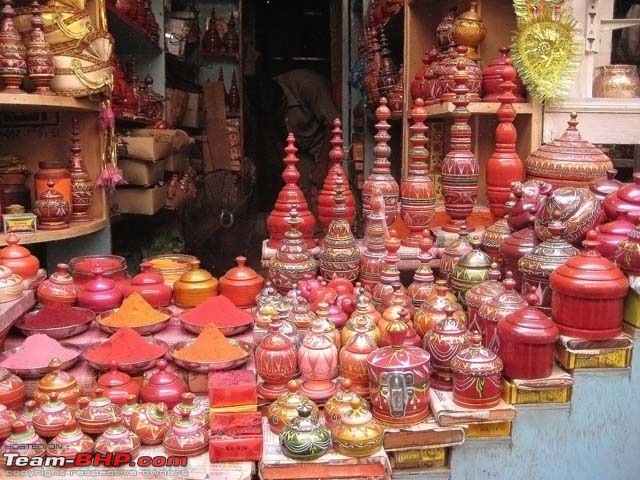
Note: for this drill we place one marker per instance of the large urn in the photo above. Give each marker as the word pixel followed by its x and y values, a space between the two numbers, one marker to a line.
pixel 626 199
pixel 477 376
pixel 588 294
pixel 318 363
pixel 514 248
pixel 399 380
pixel 493 76
pixel 372 258
pixel 472 269
pixel 276 362
pixel 527 341
pixel 480 294
pixel 568 161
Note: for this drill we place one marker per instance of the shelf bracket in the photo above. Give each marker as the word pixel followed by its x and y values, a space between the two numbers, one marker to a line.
pixel 596 25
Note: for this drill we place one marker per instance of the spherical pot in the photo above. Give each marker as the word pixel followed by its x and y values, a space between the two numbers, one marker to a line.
pixel 281 412
pixel 241 284
pixel 340 402
pixel 468 30
pixel 150 422
pixel 603 187
pixel 63 384
pixel 361 321
pixel 30 410
pixel 171 267
pixel 58 288
pixel 113 267
pixel 53 171
pixel 305 438
pixel 186 437
pixel 616 81
pixel 50 418
pixel 588 295
pixel 118 439
pixel 196 410
pixel 611 234
pixel 163 386
pixel 194 287
pixel 276 362
pixel 318 363
pixel 100 294
pixel 18 258
pixel 24 442
pixel 472 269
pixel 127 410
pixel 151 287
pixel 357 434
pixel 12 392
pixel 626 199
pixel 513 249
pixel 7 419
pixel 477 376
pixel 70 442
pixel 627 251
pixel 117 386
pixel 97 414
pixel 527 342
pixel 480 294
pixel 453 252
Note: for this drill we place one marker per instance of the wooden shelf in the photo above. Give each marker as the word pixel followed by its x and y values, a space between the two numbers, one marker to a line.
pixel 596 105
pixel 476 108
pixel 129 37
pixel 76 230
pixel 31 102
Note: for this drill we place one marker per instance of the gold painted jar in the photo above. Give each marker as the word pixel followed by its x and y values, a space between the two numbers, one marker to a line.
pixel 284 410
pixel 339 404
pixel 57 381
pixel 194 287
pixel 616 81
pixel 432 310
pixel 471 270
pixel 357 434
pixel 362 321
pixel 468 30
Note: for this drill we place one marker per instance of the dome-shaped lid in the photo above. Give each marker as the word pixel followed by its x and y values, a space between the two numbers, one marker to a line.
pixel 476 259
pixel 529 323
pixel 13 250
pixel 510 298
pixel 241 273
pixel 162 377
pixel 495 234
pixel 274 339
pixel 61 275
pixel 485 291
pixel 196 274
pixel 8 277
pixel 358 414
pixel 606 186
pixel 99 283
pixel 622 225
pixel 344 395
pixel 450 325
pixel 293 397
pixel 460 246
pixel 630 192
pixel 147 276
pixel 476 359
pixel 398 354
pixel 56 379
pixel 522 239
pixel 113 378
pixel 586 162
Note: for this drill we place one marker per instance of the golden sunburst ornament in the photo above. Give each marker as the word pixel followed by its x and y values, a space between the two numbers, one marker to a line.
pixel 545 49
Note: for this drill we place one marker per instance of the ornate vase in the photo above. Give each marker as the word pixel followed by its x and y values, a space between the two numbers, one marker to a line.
pixel 150 422
pixel 372 258
pixel 468 30
pixel 69 442
pixel 357 434
pixel 198 411
pixel 52 209
pixel 480 294
pixel 380 181
pixel 318 363
pixel 417 192
pixel 504 165
pixel 339 403
pixel 399 380
pixel 127 410
pixel 339 255
pixel 612 233
pixel 537 265
pixel 432 310
pixel 448 69
pixel 496 309
pixel 276 362
pixel 268 295
pixel 393 302
pixel 460 169
pixel 26 417
pixel 97 414
pixel 305 438
pixel 58 288
pixel 81 183
pixel 453 252
pixel 472 269
pixel 527 342
pixel 290 196
pixel 326 201
pixel 353 355
pixel 186 437
pixel 423 281
pixel 13 62
pixel 603 187
pixel 513 249
pixel 443 342
pixel 38 53
pixel 625 199
pixel 493 76
pixel 281 412
pixel 292 262
pixel 569 160
pixel 588 294
pixel 390 273
pixel 492 238
pixel 477 376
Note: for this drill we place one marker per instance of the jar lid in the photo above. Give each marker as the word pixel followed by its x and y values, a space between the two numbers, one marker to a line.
pixel 495 234
pixel 450 325
pixel 99 283
pixel 358 414
pixel 147 276
pixel 196 274
pixel 622 225
pixel 61 275
pixel 605 186
pixel 113 378
pixel 531 323
pixel 241 273
pixel 485 291
pixel 630 192
pixel 476 359
pixel 522 239
pixel 162 377
pixel 509 298
pixel 56 379
pixel 475 259
pixel 590 265
pixel 13 250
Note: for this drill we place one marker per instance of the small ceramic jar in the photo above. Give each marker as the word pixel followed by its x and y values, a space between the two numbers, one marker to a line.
pixel 432 310
pixel 362 320
pixel 24 442
pixel 492 238
pixel 163 386
pixel 513 249
pixel 194 287
pixel 196 411
pixel 472 269
pixel 357 433
pixel 284 410
pixel 276 362
pixel 423 279
pixel 603 187
pixel 477 376
pixel 150 421
pixel 150 285
pixel 305 438
pixel 353 357
pixel 18 258
pixel 69 442
pixel 411 338
pixel 12 393
pixel 269 294
pixel 453 252
pixel 612 233
pixel 318 363
pixel 118 439
pixel 51 417
pixel 241 284
pixel 7 419
pixel 127 410
pixel 328 327
pixel 627 251
pixel 186 437
pixel 30 409
pixel 58 288
pixel 117 386
pixel 11 285
pixel 340 403
pixel 301 314
pixel 97 414
pixel 480 294
pixel 56 381
pixel 100 293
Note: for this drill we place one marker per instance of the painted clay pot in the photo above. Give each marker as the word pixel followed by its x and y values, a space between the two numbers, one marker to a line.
pixel 372 258
pixel 453 252
pixel 12 392
pixel 194 287
pixel 281 412
pixel 625 199
pixel 97 414
pixel 472 269
pixel 276 362
pixel 526 200
pixel 118 439
pixel 305 438
pixel 50 418
pixel 353 356
pixel 318 363
pixel 117 386
pixel 186 437
pixel 100 293
pixel 492 77
pixel 58 288
pixel 69 442
pixel 357 433
pixel 513 249
pixel 480 294
pixel 24 442
pixel 241 284
pixel 612 233
pixel 423 280
pixel 340 402
pixel 603 187
pixel 163 386
pixel 196 409
pixel 18 258
pixel 150 285
pixel 432 310
pixel 150 422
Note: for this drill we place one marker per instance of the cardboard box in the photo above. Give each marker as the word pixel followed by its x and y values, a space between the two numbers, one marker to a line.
pixel 140 200
pixel 575 354
pixel 142 172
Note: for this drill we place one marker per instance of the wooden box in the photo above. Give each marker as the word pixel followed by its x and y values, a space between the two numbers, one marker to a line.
pixel 149 144
pixel 142 172
pixel 140 200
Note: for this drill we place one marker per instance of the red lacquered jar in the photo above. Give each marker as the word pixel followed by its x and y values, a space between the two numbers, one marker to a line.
pixel 163 386
pixel 241 284
pixel 150 285
pixel 477 376
pixel 481 294
pixel 276 362
pixel 58 288
pixel 514 248
pixel 626 199
pixel 100 294
pixel 527 340
pixel 627 252
pixel 603 187
pixel 612 233
pixel 432 310
pixel 443 342
pixel 117 386
pixel 496 309
pixel 18 258
pixel 588 295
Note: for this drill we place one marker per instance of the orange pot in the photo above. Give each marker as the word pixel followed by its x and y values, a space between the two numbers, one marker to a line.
pixel 241 284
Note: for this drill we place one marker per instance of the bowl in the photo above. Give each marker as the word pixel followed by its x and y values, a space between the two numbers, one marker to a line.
pixel 57 332
pixel 132 368
pixel 204 367
pixel 39 372
pixel 171 275
pixel 227 331
pixel 142 330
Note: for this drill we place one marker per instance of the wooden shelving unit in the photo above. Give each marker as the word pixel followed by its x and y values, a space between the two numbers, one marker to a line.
pixel 75 230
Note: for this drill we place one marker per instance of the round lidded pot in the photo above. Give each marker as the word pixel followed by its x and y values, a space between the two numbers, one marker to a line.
pixel 194 287
pixel 284 410
pixel 100 293
pixel 113 266
pixel 361 321
pixel 150 422
pixel 241 284
pixel 527 342
pixel 58 288
pixel 117 386
pixel 118 438
pixel 95 415
pixel 588 294
pixel 477 376
pixel 453 252
pixel 12 392
pixel 513 249
pixel 353 357
pixel 340 403
pixel 612 233
pixel 480 294
pixel 357 433
pixel 186 437
pixel 626 199
pixel 24 442
pixel 276 361
pixel 56 381
pixel 150 285
pixel 432 310
pixel 305 438
pixel 603 187
pixel 50 418
pixel 7 418
pixel 18 258
pixel 197 411
pixel 163 386
pixel 472 269
pixel 423 280
pixel 492 238
pixel 11 285
pixel 627 252
pixel 69 442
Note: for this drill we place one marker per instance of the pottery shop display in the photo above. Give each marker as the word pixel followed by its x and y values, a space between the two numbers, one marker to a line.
pixel 52 209
pixel 625 199
pixel 357 433
pixel 616 81
pixel 290 196
pixel 281 412
pixel 588 294
pixel 568 161
pixel 399 380
pixel 276 362
pixel 417 192
pixel 305 438
pixel 472 269
pixel 492 77
pixel 318 363
pixel 504 165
